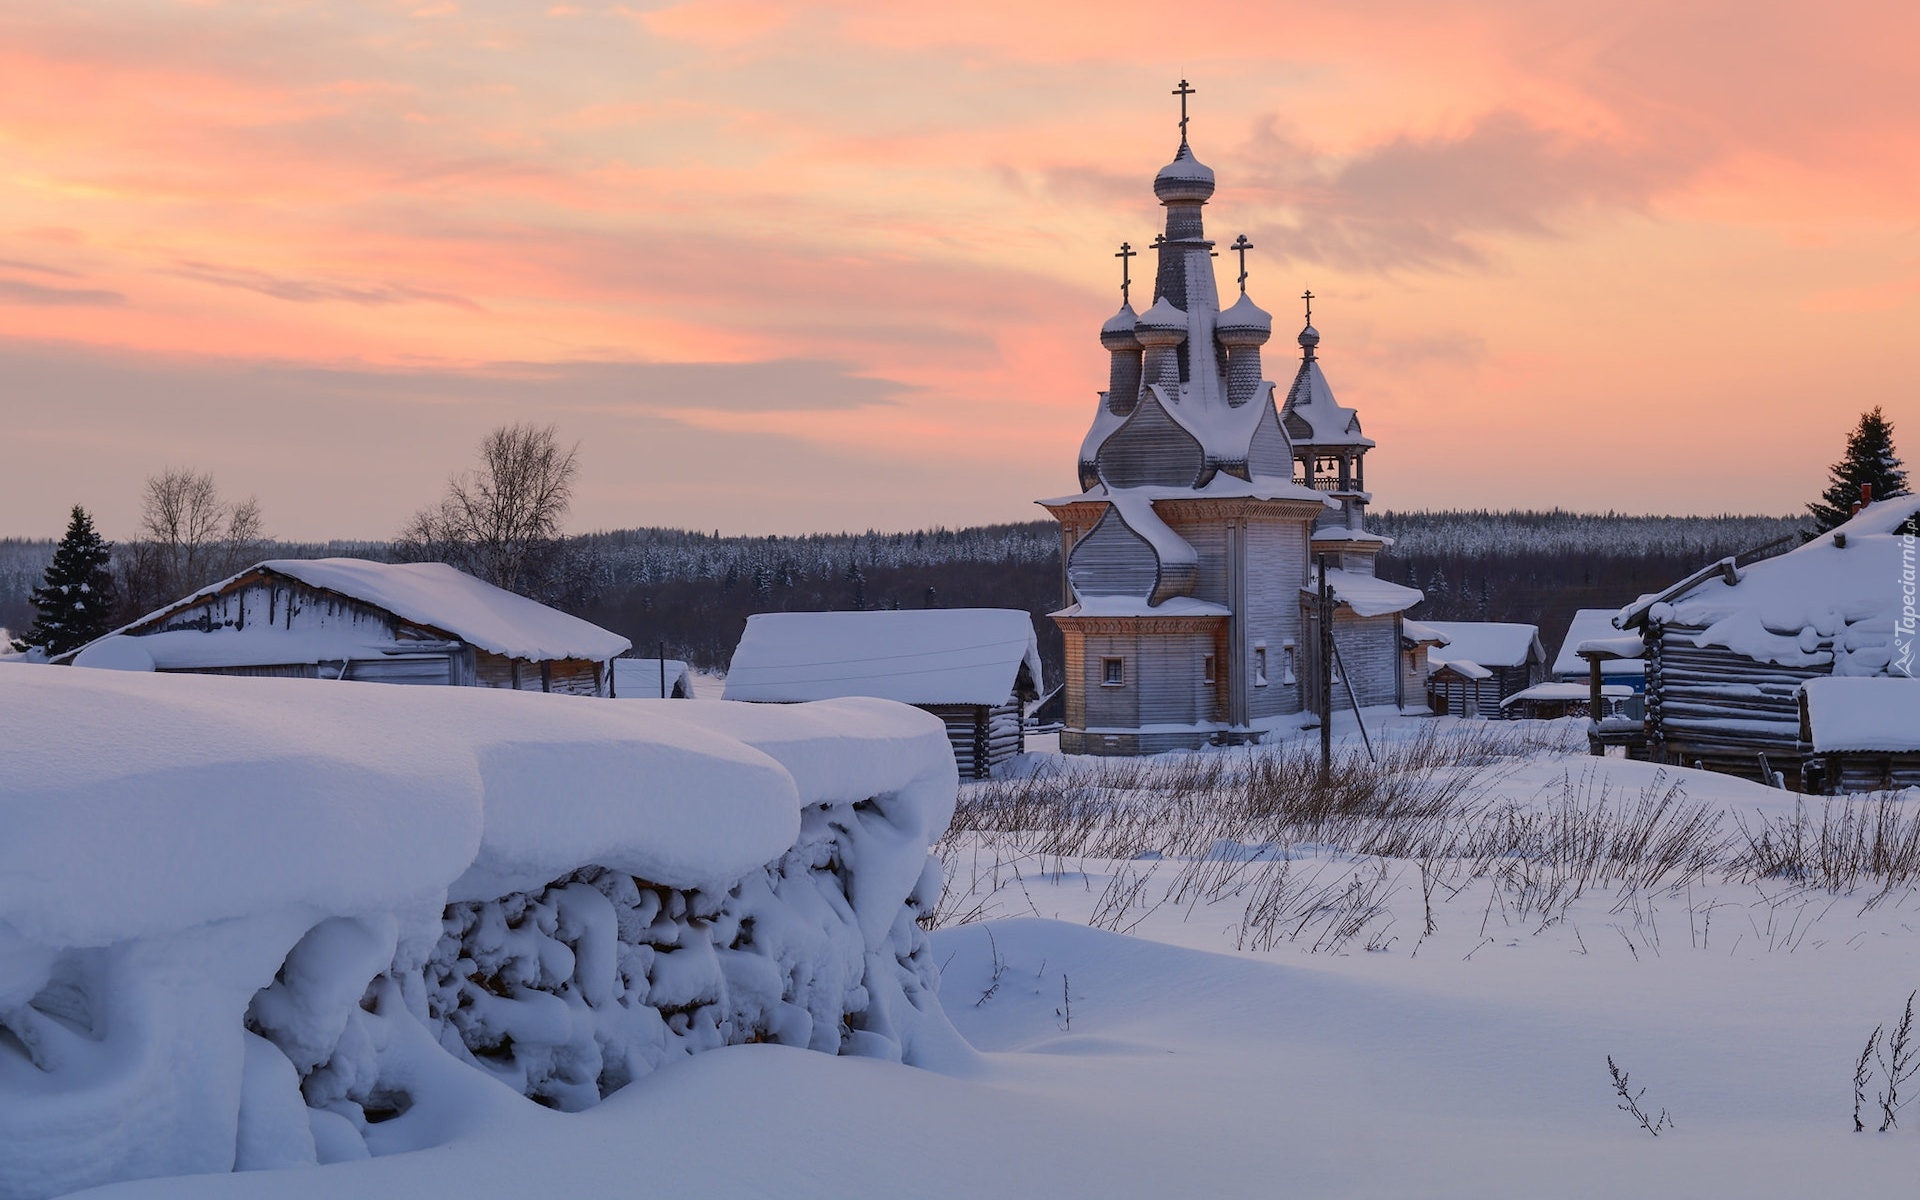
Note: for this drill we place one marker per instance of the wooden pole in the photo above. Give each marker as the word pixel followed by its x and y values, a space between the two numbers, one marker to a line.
pixel 663 670
pixel 1596 706
pixel 1326 674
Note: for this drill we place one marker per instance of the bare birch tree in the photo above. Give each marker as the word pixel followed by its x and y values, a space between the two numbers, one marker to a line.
pixel 501 519
pixel 190 537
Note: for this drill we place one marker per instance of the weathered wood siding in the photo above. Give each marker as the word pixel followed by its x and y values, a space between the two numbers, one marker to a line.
pixel 983 737
pixel 1151 449
pixel 1368 648
pixel 1413 676
pixel 1865 771
pixel 1709 705
pixel 1276 566
pixel 1113 560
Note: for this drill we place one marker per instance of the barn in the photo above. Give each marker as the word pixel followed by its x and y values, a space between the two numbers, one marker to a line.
pixel 350 618
pixel 974 668
pixel 1728 648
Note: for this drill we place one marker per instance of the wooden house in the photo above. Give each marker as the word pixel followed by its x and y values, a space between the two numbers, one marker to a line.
pixel 1728 648
pixel 1459 689
pixel 1416 665
pixel 1861 734
pixel 974 668
pixel 1510 653
pixel 1187 554
pixel 349 618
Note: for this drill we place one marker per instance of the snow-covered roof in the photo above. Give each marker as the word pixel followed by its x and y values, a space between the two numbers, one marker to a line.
pixel 1418 632
pixel 1840 590
pixel 1366 595
pixel 1324 421
pixel 916 656
pixel 1489 643
pixel 435 595
pixel 1220 487
pixel 1568 691
pixel 1460 667
pixel 1596 625
pixel 639 678
pixel 1129 606
pixel 1856 713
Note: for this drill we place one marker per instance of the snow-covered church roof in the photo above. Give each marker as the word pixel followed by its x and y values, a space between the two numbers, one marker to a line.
pixel 1312 416
pixel 915 656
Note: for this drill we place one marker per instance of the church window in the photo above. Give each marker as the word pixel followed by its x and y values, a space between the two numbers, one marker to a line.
pixel 1289 677
pixel 1207 669
pixel 1113 672
pixel 1259 666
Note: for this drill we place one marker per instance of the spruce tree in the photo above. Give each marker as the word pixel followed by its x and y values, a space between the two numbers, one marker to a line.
pixel 1869 460
pixel 76 603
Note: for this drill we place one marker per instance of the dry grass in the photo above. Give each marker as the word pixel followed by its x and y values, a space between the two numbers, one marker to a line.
pixel 1317 861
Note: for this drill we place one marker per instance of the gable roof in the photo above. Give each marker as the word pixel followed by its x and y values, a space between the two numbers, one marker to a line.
pixel 434 595
pixel 1488 643
pixel 916 656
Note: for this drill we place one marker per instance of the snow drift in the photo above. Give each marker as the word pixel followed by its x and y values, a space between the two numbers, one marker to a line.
pixel 251 923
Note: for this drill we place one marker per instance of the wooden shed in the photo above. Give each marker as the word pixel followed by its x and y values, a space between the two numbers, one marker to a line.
pixel 350 618
pixel 1510 653
pixel 1861 735
pixel 974 668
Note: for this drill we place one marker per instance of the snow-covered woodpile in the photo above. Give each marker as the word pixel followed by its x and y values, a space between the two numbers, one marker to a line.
pixel 1729 647
pixel 974 668
pixel 352 618
pixel 253 923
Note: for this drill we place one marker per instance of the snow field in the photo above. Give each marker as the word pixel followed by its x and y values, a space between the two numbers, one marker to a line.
pixel 254 923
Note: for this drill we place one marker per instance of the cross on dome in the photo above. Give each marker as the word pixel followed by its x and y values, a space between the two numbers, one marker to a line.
pixel 1183 91
pixel 1242 245
pixel 1308 297
pixel 1126 280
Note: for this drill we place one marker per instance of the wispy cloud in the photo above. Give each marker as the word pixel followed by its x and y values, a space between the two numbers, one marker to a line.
pixel 19 291
pixel 313 291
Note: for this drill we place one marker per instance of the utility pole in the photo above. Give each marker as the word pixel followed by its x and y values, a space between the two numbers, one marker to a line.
pixel 1325 667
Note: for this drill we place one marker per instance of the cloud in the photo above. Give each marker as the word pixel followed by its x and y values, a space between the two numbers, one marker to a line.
pixel 1439 202
pixel 18 291
pixel 310 291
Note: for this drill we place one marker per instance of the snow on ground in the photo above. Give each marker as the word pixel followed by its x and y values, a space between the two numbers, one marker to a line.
pixel 1404 1032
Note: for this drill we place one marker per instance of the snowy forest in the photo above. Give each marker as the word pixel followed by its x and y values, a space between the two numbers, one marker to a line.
pixel 693 591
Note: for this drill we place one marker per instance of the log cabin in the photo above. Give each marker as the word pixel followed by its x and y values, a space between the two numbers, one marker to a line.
pixel 1728 648
pixel 351 618
pixel 1861 734
pixel 974 668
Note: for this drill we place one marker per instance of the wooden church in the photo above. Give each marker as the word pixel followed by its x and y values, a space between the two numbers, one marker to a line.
pixel 1191 587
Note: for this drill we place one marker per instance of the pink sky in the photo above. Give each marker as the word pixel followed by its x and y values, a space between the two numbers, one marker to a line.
pixel 786 267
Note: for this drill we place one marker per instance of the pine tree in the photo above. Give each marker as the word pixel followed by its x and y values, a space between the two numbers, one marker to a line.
pixel 1869 460
pixel 77 601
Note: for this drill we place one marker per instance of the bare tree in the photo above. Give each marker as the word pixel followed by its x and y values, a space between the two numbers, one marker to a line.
pixel 189 536
pixel 501 520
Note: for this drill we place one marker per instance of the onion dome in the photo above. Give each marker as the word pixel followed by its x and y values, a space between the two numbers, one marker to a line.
pixel 1161 325
pixel 1309 338
pixel 1186 178
pixel 1244 324
pixel 1117 333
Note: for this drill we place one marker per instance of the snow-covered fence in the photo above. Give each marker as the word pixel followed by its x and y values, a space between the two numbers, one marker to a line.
pixel 263 923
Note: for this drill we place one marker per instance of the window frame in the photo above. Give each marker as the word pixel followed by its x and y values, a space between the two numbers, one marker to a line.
pixel 1113 670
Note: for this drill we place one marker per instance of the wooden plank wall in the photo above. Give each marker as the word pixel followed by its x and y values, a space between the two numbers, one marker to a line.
pixel 1369 646
pixel 1710 705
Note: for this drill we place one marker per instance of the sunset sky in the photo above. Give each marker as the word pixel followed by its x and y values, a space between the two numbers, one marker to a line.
pixel 794 267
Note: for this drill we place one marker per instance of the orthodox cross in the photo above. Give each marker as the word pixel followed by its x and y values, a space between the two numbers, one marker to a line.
pixel 1308 297
pixel 1183 91
pixel 1126 280
pixel 1242 245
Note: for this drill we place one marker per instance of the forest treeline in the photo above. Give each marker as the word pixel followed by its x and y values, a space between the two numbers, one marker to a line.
pixel 693 591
